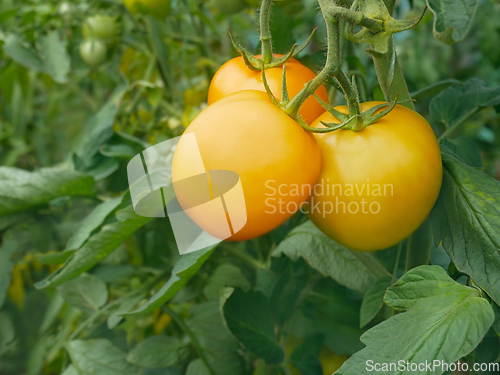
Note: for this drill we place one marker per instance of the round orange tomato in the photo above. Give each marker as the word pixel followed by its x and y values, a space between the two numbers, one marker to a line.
pixel 277 162
pixel 377 185
pixel 234 76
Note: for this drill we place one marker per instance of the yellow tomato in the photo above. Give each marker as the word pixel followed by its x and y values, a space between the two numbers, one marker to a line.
pixel 379 184
pixel 234 76
pixel 276 160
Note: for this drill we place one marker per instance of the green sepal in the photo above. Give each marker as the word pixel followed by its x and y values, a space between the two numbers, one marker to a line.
pixel 251 61
pixel 333 126
pixel 379 42
pixel 255 64
pixel 328 107
pixel 285 99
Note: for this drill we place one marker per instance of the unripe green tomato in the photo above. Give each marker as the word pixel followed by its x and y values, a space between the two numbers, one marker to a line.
pixel 100 26
pixel 229 6
pixel 93 52
pixel 66 11
pixel 156 8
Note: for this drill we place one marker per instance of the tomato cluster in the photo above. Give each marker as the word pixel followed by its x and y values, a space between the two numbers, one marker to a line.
pixel 98 31
pixel 366 189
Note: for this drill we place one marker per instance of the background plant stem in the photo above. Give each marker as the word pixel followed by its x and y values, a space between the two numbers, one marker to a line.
pixel 265 32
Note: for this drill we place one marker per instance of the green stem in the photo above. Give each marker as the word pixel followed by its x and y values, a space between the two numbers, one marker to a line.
pixel 389 73
pixel 265 32
pixel 332 68
pixel 185 328
pixel 419 248
pixel 357 18
pixel 252 262
pixel 396 265
pixel 148 73
pixel 455 126
pixel 92 318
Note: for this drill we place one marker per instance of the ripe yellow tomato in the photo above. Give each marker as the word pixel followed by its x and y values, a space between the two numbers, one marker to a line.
pixel 234 76
pixel 377 185
pixel 277 161
pixel 156 8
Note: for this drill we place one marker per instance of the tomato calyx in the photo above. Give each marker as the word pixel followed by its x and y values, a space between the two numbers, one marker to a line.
pixel 255 63
pixel 358 121
pixel 268 59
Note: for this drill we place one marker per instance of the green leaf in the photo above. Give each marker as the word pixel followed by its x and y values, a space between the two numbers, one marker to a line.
pixel 452 319
pixel 98 247
pixel 99 130
pixel 225 275
pixel 158 44
pixel 155 352
pixel 70 370
pixel 87 292
pixel 92 222
pixel 452 18
pixel 7 332
pixel 124 307
pixel 56 61
pixel 326 256
pixel 197 367
pixel 21 190
pixel 248 317
pixel 7 248
pixel 13 219
pixel 55 258
pixel 21 52
pixel 465 149
pixel 120 150
pixel 496 323
pixel 457 103
pixel 287 288
pixel 218 346
pixel 434 89
pixel 99 356
pixel 305 356
pixel 466 219
pixel 183 271
pixel 373 301
pixel 329 311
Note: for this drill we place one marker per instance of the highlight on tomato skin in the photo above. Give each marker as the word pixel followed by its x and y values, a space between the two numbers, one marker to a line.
pixel 378 185
pixel 245 133
pixel 235 76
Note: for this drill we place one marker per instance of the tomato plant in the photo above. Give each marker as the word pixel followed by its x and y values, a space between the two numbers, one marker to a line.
pixel 363 137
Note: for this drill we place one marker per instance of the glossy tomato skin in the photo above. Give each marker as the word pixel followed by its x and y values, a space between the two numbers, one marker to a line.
pixel 383 180
pixel 234 76
pixel 93 52
pixel 247 134
pixel 156 8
